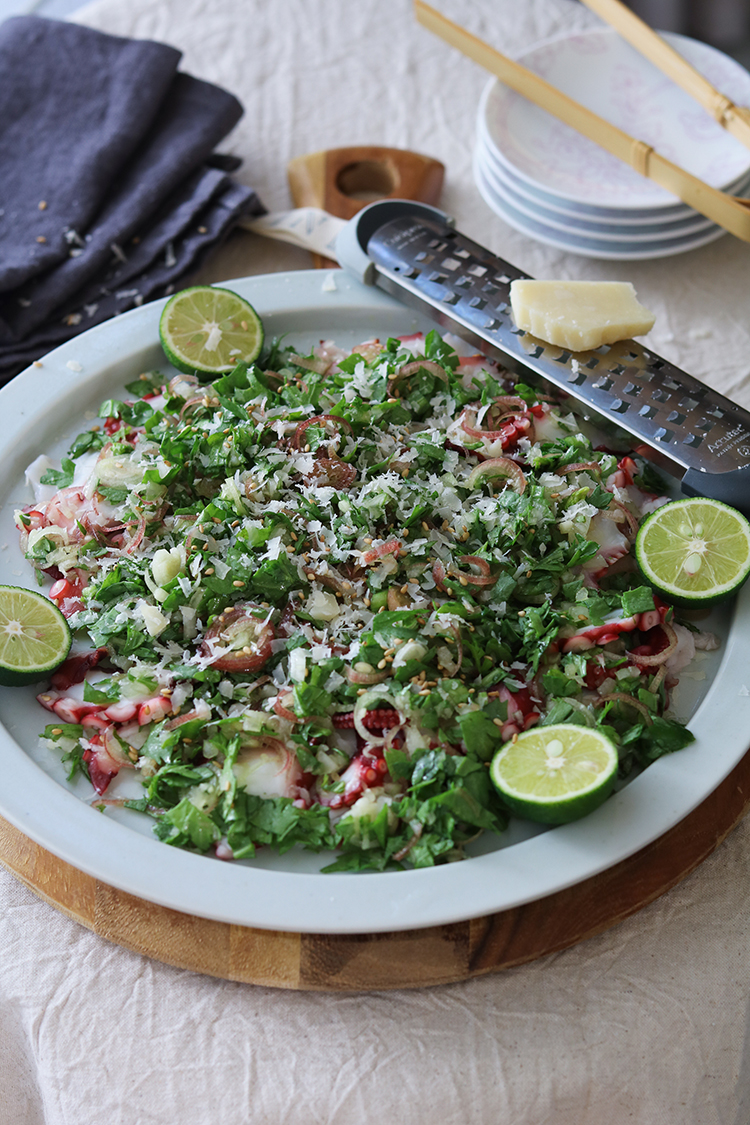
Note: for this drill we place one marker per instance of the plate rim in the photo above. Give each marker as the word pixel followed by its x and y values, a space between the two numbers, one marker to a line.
pixel 343 903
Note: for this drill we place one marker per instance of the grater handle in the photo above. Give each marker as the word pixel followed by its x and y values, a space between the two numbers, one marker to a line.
pixel 731 488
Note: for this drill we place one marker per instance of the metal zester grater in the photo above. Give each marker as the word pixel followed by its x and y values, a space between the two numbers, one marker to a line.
pixel 413 252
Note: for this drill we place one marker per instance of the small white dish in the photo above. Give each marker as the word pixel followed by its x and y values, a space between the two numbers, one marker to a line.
pixel 640 235
pixel 606 74
pixel 42 410
pixel 677 220
pixel 588 246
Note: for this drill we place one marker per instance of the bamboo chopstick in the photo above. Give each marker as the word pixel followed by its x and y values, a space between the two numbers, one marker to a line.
pixel 727 211
pixel 735 119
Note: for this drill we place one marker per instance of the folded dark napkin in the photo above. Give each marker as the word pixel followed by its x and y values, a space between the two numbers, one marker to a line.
pixel 110 192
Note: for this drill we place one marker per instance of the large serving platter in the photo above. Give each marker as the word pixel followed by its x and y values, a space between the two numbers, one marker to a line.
pixel 42 409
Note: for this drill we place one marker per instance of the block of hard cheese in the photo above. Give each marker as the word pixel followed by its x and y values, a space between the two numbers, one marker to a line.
pixel 579 315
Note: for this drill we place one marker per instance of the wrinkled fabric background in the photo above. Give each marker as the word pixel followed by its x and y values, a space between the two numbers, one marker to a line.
pixel 647 1023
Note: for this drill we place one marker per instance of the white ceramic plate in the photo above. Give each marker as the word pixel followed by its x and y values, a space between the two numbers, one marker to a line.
pixel 527 221
pixel 640 234
pixel 606 74
pixel 675 221
pixel 42 409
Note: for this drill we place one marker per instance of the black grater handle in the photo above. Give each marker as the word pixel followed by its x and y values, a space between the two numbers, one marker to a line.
pixel 731 488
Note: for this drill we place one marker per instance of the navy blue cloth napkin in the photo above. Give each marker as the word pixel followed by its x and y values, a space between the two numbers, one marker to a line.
pixel 110 191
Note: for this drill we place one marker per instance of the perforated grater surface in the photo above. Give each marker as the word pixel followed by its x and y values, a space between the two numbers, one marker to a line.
pixel 413 252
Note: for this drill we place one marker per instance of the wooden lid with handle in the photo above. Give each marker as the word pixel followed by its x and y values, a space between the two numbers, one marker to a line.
pixel 342 181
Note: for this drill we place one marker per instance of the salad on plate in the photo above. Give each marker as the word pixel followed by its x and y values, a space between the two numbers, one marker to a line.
pixel 314 597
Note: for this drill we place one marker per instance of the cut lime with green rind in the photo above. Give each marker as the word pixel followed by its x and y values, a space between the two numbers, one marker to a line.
pixel 555 774
pixel 34 637
pixel 206 330
pixel 694 551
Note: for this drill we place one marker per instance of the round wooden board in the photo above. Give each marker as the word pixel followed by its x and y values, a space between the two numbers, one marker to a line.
pixel 403 959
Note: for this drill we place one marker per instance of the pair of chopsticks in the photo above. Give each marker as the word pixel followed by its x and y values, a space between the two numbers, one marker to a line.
pixel 725 210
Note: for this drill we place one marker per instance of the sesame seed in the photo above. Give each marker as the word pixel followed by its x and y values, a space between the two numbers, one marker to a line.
pixel 209 570
pixel 238 582
pixel 41 238
pixel 42 205
pixel 498 722
pixel 56 730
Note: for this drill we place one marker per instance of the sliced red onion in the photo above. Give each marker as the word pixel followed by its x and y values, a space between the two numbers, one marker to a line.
pixel 621 697
pixel 662 656
pixel 498 468
pixel 486 578
pixel 413 367
pixel 317 365
pixel 392 547
pixel 630 519
pixel 280 706
pixel 355 677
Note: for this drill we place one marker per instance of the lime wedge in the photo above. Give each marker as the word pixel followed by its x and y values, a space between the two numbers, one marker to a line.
pixel 694 551
pixel 555 774
pixel 34 636
pixel 208 330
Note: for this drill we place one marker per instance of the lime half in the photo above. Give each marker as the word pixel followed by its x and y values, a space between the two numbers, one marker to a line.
pixel 555 774
pixel 34 636
pixel 208 330
pixel 694 551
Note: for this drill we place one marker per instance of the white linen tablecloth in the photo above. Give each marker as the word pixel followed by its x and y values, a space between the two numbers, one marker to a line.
pixel 646 1023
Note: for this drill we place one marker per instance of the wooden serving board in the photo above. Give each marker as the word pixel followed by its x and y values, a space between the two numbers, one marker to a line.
pixel 405 959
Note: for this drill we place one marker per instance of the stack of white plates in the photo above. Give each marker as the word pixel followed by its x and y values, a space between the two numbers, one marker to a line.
pixel 554 185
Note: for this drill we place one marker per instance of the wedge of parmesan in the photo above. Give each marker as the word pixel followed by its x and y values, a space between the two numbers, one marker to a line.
pixel 579 315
